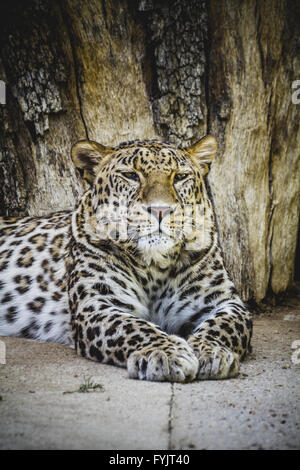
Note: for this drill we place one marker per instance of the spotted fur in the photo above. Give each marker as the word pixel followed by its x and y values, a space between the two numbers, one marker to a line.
pixel 155 297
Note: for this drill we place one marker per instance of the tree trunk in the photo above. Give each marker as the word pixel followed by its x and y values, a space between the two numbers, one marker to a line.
pixel 115 70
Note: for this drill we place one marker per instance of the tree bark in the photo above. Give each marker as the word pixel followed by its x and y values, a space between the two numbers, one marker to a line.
pixel 118 70
pixel 258 166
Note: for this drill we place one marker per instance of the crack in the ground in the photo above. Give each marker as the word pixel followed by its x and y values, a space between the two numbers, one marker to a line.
pixel 170 427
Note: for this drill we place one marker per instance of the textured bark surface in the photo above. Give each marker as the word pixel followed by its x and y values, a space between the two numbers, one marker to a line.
pixel 118 70
pixel 42 116
pixel 73 70
pixel 177 34
pixel 258 129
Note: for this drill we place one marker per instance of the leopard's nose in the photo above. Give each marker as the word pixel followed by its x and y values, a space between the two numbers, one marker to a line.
pixel 159 211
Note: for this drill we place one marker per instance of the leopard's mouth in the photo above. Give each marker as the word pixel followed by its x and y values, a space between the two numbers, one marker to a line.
pixel 157 231
pixel 156 237
pixel 158 242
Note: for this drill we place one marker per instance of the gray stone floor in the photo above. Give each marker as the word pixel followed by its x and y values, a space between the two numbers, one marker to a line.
pixel 258 410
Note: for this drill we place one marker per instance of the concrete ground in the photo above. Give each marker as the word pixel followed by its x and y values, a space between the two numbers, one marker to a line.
pixel 41 407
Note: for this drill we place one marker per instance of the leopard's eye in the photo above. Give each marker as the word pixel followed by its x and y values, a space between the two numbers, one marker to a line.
pixel 131 175
pixel 180 177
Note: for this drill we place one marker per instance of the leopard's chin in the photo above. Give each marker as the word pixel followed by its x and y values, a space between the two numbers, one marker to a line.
pixel 158 248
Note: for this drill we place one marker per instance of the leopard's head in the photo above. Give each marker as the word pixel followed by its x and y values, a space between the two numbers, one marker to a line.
pixel 149 196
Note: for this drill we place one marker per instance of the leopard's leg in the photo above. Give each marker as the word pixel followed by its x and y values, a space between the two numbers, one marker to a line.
pixel 222 340
pixel 121 339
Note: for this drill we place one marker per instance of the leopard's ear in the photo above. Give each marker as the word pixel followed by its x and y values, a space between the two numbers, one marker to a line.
pixel 86 155
pixel 204 151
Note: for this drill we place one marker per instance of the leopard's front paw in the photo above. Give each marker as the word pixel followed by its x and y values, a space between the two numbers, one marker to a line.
pixel 215 361
pixel 173 361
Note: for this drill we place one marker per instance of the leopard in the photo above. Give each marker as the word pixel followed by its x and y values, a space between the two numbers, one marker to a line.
pixel 134 276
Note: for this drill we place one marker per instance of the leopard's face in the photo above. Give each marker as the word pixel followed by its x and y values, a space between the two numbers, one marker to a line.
pixel 147 195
